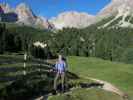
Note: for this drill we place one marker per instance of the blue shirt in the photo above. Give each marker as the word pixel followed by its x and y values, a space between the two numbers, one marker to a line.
pixel 60 66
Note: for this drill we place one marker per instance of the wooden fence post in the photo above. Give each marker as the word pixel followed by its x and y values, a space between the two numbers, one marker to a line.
pixel 25 59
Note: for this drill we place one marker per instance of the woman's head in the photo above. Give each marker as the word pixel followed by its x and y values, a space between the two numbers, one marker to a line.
pixel 61 57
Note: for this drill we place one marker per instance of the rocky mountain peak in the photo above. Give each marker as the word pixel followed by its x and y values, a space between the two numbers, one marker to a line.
pixel 6 8
pixel 72 19
pixel 25 14
pixel 113 7
pixel 23 6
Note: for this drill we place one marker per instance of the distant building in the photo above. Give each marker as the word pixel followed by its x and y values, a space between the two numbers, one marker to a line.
pixel 1 12
pixel 9 17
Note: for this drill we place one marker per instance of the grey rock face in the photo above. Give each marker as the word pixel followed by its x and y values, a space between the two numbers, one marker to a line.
pixel 73 19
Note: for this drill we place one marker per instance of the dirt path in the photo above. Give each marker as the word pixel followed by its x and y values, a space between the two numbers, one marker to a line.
pixel 110 87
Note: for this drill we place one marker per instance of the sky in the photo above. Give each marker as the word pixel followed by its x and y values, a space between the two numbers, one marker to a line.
pixel 51 8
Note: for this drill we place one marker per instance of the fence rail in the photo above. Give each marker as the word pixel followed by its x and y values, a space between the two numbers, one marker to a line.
pixel 12 69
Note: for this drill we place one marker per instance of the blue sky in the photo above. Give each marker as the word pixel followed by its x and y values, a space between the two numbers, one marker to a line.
pixel 51 8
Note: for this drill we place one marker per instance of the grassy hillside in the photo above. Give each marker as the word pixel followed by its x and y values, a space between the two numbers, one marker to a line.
pixel 118 74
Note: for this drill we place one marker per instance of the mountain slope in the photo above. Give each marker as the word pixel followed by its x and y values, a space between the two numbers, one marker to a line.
pixel 121 11
pixel 112 7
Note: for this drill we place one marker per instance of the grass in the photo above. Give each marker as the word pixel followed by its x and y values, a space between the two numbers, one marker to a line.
pixel 86 94
pixel 119 74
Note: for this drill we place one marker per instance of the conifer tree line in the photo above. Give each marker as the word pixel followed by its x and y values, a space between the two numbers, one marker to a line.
pixel 110 44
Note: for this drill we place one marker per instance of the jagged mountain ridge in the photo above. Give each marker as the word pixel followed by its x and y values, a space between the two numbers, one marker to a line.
pixel 65 19
pixel 25 16
pixel 118 13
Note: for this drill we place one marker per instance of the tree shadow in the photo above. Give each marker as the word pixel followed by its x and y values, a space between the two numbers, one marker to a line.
pixel 34 85
pixel 71 75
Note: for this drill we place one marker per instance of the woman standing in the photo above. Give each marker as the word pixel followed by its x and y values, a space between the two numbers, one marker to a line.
pixel 60 68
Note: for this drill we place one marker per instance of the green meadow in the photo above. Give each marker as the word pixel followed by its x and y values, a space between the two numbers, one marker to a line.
pixel 118 74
